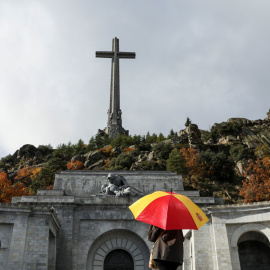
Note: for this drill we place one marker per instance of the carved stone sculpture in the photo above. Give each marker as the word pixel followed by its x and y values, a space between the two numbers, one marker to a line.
pixel 117 186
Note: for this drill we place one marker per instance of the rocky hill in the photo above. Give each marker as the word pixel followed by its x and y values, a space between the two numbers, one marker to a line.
pixel 226 148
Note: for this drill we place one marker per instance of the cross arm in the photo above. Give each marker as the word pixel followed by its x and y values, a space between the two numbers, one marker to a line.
pixel 126 55
pixel 104 54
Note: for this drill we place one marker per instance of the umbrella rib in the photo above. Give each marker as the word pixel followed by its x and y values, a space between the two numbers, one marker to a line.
pixel 168 210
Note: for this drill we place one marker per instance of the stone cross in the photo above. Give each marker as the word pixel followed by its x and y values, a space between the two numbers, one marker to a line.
pixel 114 125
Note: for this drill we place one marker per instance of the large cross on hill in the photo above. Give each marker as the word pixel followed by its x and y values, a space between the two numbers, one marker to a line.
pixel 114 125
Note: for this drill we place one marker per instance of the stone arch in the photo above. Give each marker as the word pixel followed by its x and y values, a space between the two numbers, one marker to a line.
pixel 247 228
pixel 118 239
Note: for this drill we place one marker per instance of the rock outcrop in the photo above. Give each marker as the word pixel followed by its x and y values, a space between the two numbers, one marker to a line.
pixel 252 133
pixel 191 136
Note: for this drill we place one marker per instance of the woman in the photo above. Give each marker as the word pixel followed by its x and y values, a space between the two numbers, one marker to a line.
pixel 168 250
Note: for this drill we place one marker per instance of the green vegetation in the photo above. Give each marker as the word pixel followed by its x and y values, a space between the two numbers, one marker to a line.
pixel 212 170
pixel 225 129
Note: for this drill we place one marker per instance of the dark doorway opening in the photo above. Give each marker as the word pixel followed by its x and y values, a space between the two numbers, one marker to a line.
pixel 254 251
pixel 118 259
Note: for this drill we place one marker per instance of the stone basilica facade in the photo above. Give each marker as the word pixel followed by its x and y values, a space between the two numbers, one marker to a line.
pixel 73 228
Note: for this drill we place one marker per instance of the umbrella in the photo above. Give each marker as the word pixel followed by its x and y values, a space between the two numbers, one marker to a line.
pixel 169 211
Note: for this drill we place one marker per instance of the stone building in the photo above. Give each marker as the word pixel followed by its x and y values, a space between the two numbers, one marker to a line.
pixel 71 227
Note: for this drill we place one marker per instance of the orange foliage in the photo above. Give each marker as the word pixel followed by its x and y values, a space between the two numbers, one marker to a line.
pixel 128 150
pixel 35 172
pixel 192 162
pixel 75 165
pixel 7 190
pixel 256 186
pixel 107 150
pixel 24 174
pixel 107 162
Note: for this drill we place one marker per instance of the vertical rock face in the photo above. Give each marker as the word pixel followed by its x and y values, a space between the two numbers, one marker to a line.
pixel 191 136
pixel 194 136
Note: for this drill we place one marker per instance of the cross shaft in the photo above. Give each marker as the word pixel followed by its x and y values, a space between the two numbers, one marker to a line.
pixel 114 125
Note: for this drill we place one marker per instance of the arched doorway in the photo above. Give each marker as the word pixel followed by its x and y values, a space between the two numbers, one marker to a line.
pixel 126 243
pixel 254 250
pixel 118 259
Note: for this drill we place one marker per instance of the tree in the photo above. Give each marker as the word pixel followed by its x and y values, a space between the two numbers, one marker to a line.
pixel 64 151
pixel 219 165
pixel 91 145
pixel 24 175
pixel 262 151
pixel 186 162
pixel 172 134
pixel 7 190
pixel 79 148
pixel 162 150
pixel 45 149
pixel 151 138
pixel 56 164
pixel 122 162
pixel 193 164
pixel 176 162
pixel 256 186
pixel 188 122
pixel 7 162
pixel 42 179
pixel 240 152
pixel 75 165
pixel 160 137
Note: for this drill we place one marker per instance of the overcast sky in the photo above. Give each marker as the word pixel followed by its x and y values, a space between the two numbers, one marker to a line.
pixel 206 60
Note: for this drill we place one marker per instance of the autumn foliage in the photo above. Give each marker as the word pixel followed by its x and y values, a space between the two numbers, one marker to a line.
pixel 187 163
pixel 107 163
pixel 7 190
pixel 129 149
pixel 75 165
pixel 25 174
pixel 192 162
pixel 256 186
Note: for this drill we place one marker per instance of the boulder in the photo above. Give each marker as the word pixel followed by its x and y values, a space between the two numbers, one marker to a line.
pixel 241 121
pixel 150 156
pixel 93 157
pixel 116 151
pixel 228 140
pixel 97 166
pixel 194 136
pixel 80 158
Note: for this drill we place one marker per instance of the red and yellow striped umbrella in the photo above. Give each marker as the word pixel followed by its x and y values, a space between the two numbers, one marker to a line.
pixel 169 211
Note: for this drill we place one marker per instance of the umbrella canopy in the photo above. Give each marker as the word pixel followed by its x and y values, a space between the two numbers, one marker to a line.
pixel 169 211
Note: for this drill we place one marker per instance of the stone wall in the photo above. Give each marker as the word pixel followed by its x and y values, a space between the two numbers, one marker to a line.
pixel 87 183
pixel 93 226
pixel 227 224
pixel 24 232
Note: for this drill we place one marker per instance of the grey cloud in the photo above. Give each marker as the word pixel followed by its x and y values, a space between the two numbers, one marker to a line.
pixel 204 60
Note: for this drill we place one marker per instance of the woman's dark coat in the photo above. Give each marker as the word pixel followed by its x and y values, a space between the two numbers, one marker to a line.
pixel 169 246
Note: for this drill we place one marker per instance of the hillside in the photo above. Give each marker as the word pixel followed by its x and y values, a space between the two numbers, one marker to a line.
pixel 212 161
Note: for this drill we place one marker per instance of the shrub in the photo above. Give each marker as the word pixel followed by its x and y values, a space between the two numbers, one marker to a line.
pixel 162 150
pixel 219 164
pixel 42 179
pixel 122 162
pixel 176 162
pixel 240 152
pixel 75 165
